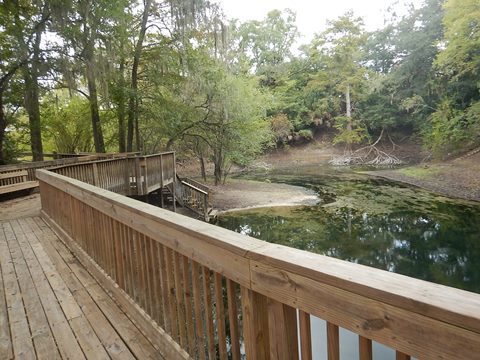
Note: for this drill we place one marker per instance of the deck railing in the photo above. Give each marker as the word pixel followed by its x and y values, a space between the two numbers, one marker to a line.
pixel 31 167
pixel 137 175
pixel 160 169
pixel 213 293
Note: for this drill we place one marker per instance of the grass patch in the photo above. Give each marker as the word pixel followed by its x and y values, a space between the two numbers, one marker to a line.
pixel 420 172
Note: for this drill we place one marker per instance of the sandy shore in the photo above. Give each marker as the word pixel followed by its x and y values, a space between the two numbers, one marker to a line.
pixel 245 194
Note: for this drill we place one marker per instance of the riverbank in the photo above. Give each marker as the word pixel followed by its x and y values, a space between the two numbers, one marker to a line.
pixel 455 178
pixel 246 194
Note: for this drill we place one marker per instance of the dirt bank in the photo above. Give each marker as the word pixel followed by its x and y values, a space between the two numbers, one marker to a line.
pixel 455 178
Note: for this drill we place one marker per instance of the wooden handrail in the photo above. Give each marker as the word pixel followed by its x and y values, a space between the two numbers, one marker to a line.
pixel 194 187
pixel 178 270
pixel 164 153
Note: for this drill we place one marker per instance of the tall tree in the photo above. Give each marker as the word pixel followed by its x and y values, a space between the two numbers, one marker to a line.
pixel 20 50
pixel 455 124
pixel 84 28
pixel 133 99
pixel 267 43
pixel 31 73
pixel 339 51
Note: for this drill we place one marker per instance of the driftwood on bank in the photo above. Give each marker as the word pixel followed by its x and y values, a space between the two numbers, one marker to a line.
pixel 368 155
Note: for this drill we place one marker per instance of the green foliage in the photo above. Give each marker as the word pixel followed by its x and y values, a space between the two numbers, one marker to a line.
pixel 305 134
pixel 226 90
pixel 452 129
pixel 67 125
pixel 281 128
pixel 462 36
pixel 267 44
pixel 349 135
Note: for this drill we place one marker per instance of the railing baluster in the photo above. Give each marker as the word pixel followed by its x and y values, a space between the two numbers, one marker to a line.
pixel 197 299
pixel 282 325
pixel 365 348
pixel 165 290
pixel 220 316
pixel 179 291
pixel 333 342
pixel 208 308
pixel 233 319
pixel 129 256
pixel 171 294
pixel 305 335
pixel 188 304
pixel 150 280
pixel 142 270
pixel 255 324
pixel 401 356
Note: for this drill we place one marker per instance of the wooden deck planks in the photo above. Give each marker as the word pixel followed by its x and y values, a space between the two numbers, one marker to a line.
pixel 52 308
pixel 126 329
pixel 19 329
pixel 6 349
pixel 42 337
pixel 101 303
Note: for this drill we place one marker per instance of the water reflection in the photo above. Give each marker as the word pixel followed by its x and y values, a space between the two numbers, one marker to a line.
pixel 375 223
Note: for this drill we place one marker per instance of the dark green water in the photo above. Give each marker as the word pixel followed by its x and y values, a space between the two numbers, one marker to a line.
pixel 373 222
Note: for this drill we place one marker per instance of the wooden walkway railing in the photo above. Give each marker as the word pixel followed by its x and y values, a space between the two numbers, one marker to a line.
pixel 31 167
pixel 216 294
pixel 137 175
pixel 192 195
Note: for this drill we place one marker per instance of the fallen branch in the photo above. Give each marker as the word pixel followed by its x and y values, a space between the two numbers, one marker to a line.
pixel 368 155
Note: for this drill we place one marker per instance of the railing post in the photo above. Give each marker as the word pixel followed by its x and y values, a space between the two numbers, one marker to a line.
pixel 161 171
pixel 173 184
pixel 126 176
pixel 138 176
pixel 283 335
pixel 205 207
pixel 95 174
pixel 255 324
pixel 143 164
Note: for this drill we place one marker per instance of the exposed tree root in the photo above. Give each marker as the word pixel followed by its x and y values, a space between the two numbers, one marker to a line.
pixel 368 155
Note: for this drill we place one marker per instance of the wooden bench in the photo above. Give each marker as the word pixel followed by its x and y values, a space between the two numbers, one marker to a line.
pixel 15 181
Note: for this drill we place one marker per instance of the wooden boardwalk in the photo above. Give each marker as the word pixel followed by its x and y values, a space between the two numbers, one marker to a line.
pixel 52 308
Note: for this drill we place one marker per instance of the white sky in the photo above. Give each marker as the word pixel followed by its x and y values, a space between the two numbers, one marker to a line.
pixel 313 14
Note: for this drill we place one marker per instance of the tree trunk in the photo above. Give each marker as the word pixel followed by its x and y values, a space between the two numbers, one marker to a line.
pixel 202 168
pixel 349 117
pixel 96 123
pixel 218 170
pixel 133 103
pixel 92 91
pixel 349 108
pixel 121 109
pixel 3 126
pixel 32 104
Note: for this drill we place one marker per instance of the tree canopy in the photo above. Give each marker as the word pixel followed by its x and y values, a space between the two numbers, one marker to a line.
pixel 151 75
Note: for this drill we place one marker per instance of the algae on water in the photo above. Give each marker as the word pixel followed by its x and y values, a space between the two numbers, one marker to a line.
pixel 374 222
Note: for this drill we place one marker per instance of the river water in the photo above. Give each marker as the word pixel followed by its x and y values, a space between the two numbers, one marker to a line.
pixel 370 221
